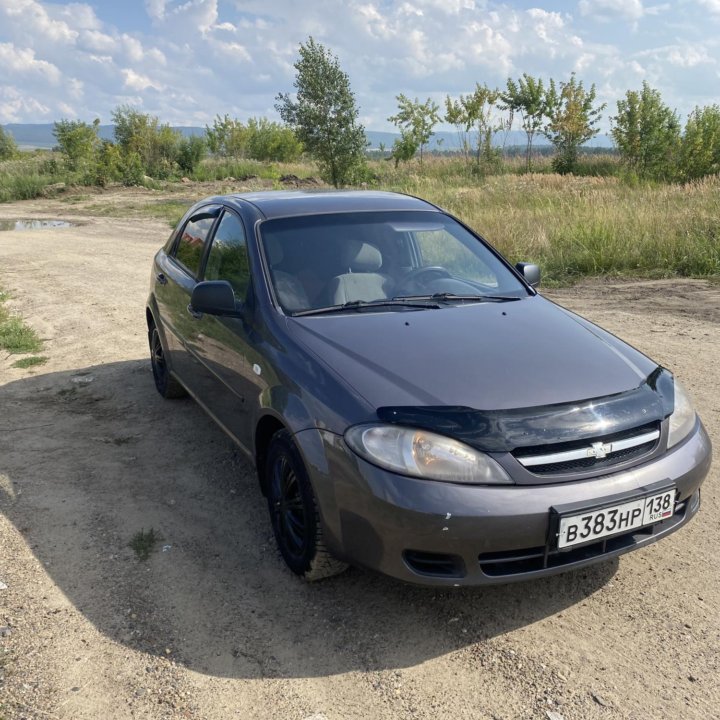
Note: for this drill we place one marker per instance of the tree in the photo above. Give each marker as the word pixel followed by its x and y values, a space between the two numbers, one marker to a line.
pixel 700 147
pixel 227 137
pixel 647 134
pixel 526 97
pixel 191 150
pixel 416 120
pixel 77 141
pixel 8 147
pixel 138 134
pixel 571 120
pixel 270 141
pixel 324 114
pixel 404 148
pixel 474 113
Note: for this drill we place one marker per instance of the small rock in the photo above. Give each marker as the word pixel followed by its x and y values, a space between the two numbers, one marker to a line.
pixel 316 716
pixel 3 586
pixel 5 632
pixel 140 692
pixel 552 715
pixel 75 689
pixel 692 678
pixel 600 700
pixel 82 379
pixel 185 180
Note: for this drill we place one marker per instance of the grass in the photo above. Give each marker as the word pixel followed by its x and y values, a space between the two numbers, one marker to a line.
pixel 15 336
pixel 28 362
pixel 579 226
pixel 168 210
pixel 593 223
pixel 143 543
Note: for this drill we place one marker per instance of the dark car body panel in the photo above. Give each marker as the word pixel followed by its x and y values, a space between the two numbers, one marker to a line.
pixel 521 354
pixel 316 376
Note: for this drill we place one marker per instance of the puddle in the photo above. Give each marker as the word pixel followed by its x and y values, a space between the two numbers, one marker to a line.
pixel 33 224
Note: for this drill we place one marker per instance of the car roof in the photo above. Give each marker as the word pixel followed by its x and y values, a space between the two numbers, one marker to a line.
pixel 284 203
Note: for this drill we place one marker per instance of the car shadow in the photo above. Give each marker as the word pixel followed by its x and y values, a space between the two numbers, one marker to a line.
pixel 90 458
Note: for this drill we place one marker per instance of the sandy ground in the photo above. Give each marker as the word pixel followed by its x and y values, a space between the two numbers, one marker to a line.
pixel 212 625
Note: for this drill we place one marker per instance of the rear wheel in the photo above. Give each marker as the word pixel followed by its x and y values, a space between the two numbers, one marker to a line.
pixel 293 512
pixel 165 383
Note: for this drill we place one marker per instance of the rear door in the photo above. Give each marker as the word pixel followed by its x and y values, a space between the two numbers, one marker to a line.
pixel 180 269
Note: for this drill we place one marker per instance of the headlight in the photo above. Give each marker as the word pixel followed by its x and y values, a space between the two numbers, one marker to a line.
pixel 682 420
pixel 424 454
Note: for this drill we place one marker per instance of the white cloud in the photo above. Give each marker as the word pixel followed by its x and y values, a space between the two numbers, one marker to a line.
pixel 187 60
pixel 22 62
pixel 136 81
pixel 15 106
pixel 607 10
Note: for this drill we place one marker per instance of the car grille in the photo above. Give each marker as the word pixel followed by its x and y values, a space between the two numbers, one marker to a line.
pixel 591 454
pixel 541 558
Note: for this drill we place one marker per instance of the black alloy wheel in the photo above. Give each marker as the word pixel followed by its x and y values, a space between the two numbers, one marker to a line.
pixel 293 512
pixel 165 383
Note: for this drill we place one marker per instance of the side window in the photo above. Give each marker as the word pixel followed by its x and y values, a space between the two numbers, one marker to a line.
pixel 228 258
pixel 192 240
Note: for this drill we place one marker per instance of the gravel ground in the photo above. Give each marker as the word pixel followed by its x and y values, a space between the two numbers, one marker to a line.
pixel 212 625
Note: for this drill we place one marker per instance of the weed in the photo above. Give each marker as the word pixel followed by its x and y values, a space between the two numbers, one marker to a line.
pixel 29 362
pixel 16 336
pixel 143 543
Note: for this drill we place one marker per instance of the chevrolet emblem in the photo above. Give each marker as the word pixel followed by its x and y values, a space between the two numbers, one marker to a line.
pixel 599 450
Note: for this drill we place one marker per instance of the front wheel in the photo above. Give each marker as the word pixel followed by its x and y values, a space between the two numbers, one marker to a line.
pixel 293 512
pixel 165 383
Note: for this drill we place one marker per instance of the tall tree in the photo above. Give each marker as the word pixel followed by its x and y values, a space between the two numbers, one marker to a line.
pixel 526 97
pixel 474 114
pixel 324 114
pixel 77 140
pixel 647 133
pixel 572 117
pixel 416 121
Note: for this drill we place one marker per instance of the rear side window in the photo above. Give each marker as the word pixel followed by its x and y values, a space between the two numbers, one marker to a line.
pixel 228 258
pixel 191 243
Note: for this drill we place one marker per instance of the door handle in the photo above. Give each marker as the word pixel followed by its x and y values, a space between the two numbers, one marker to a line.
pixel 197 315
pixel 160 277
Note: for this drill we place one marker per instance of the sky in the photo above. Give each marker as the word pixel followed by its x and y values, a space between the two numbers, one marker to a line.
pixel 189 60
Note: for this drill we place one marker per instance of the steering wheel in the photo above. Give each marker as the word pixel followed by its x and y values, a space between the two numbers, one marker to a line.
pixel 411 279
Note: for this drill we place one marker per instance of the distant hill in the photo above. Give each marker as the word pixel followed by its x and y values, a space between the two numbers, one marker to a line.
pixel 40 136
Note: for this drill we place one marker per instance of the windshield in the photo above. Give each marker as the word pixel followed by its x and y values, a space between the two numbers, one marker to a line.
pixel 321 261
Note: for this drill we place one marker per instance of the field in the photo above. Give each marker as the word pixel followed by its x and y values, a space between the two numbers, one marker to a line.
pixel 596 223
pixel 211 626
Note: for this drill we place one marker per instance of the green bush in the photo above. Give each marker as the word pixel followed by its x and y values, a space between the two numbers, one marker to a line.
pixel 191 151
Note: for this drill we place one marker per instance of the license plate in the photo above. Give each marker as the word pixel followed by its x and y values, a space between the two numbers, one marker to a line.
pixel 614 519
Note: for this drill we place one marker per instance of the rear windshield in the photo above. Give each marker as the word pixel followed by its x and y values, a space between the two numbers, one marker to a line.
pixel 324 260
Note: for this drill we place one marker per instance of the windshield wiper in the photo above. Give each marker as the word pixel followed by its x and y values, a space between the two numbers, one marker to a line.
pixel 420 302
pixel 453 297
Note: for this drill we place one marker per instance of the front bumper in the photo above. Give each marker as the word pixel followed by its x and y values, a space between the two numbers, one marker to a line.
pixel 438 533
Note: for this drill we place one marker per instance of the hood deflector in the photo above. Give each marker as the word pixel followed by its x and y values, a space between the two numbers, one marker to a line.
pixel 507 430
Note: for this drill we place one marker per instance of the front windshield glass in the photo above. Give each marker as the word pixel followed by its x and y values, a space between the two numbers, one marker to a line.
pixel 318 261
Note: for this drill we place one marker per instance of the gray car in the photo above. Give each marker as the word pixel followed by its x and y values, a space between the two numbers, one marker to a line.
pixel 411 403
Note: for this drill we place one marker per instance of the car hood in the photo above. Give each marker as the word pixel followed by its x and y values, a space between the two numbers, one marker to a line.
pixel 487 356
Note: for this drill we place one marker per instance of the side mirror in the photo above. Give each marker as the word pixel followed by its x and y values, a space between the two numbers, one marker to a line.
pixel 214 297
pixel 530 272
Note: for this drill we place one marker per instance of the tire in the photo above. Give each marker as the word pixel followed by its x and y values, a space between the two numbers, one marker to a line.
pixel 293 512
pixel 165 383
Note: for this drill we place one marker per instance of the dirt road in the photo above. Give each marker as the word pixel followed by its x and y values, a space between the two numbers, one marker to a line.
pixel 212 625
